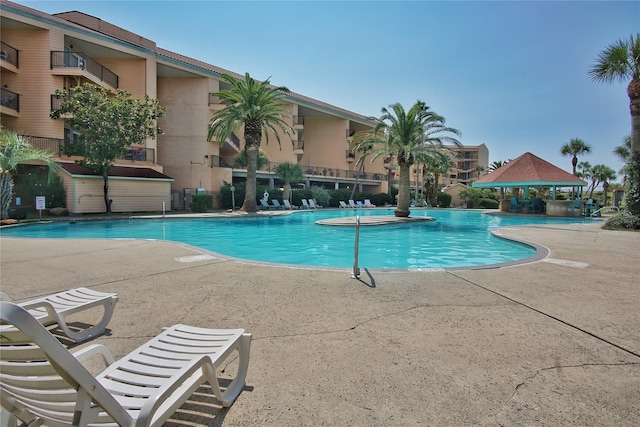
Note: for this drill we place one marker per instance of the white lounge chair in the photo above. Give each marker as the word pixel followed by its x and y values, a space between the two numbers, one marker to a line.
pixel 57 307
pixel 288 205
pixel 275 204
pixel 352 204
pixel 368 204
pixel 359 204
pixel 43 383
pixel 343 204
pixel 313 204
pixel 305 204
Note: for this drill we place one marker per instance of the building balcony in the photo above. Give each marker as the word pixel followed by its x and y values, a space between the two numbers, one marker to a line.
pixel 58 147
pixel 9 102
pixel 9 57
pixel 298 147
pixel 351 156
pixel 215 103
pixel 80 64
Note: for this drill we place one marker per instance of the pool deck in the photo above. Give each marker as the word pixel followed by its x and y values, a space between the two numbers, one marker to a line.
pixel 550 343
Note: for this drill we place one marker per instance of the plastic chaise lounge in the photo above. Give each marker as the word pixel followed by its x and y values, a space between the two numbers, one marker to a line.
pixel 42 383
pixel 56 308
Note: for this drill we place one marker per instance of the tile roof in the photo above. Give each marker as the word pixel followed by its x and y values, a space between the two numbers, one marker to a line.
pixel 529 170
pixel 116 172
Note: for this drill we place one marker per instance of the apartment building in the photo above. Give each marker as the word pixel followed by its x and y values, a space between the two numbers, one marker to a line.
pixel 41 53
pixel 471 163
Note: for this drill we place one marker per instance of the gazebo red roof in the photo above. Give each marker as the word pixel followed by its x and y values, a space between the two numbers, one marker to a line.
pixel 529 170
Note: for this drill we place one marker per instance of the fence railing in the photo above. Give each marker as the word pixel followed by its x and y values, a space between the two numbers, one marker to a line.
pixel 9 54
pixel 80 60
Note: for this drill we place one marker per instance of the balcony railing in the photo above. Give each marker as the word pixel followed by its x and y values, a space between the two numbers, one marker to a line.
pixel 298 145
pixel 9 54
pixel 298 120
pixel 312 171
pixel 10 99
pixel 79 60
pixel 59 147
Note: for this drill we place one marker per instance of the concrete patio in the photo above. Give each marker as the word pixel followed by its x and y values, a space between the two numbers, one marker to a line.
pixel 554 342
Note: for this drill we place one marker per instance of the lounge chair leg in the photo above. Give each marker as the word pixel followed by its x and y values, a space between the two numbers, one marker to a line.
pixel 235 387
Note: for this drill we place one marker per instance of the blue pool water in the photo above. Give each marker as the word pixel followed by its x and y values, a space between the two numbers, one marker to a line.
pixel 458 238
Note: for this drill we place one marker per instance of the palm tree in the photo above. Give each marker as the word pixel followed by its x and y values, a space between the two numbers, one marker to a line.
pixel 620 61
pixel 437 162
pixel 573 148
pixel 405 135
pixel 585 171
pixel 254 105
pixel 600 173
pixel 14 150
pixel 289 172
pixel 624 154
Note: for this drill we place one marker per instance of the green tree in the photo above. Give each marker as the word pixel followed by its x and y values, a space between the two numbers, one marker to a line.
pixel 111 123
pixel 497 165
pixel 573 148
pixel 240 162
pixel 601 174
pixel 620 62
pixel 623 152
pixel 405 135
pixel 254 105
pixel 14 150
pixel 584 171
pixel 436 163
pixel 289 172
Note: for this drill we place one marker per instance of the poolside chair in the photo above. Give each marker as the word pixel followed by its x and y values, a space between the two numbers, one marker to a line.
pixel 367 204
pixel 264 205
pixel 54 309
pixel 288 205
pixel 574 209
pixel 515 205
pixel 352 204
pixel 343 204
pixel 305 204
pixel 359 204
pixel 536 205
pixel 275 204
pixel 43 383
pixel 313 204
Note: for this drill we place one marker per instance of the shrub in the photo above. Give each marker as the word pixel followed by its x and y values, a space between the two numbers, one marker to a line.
pixel 623 221
pixel 444 200
pixel 201 203
pixel 488 204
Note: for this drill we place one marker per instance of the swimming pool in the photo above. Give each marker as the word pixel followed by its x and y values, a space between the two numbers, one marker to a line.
pixel 458 238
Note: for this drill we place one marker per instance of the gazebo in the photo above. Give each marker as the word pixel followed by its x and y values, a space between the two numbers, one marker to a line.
pixel 529 171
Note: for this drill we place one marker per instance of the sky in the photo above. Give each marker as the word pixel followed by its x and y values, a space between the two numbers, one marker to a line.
pixel 510 74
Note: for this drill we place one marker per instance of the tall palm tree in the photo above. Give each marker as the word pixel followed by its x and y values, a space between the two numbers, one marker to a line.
pixel 573 148
pixel 254 105
pixel 14 150
pixel 404 135
pixel 620 61
pixel 437 162
pixel 289 172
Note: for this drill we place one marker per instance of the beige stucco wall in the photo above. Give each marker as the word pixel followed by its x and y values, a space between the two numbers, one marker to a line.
pixel 128 194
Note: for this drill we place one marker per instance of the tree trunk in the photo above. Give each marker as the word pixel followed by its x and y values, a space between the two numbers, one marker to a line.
pixel 107 202
pixel 252 136
pixel 404 189
pixel 6 193
pixel 632 195
pixel 286 191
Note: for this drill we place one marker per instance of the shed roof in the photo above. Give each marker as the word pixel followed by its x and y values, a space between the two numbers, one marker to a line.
pixel 529 170
pixel 74 169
